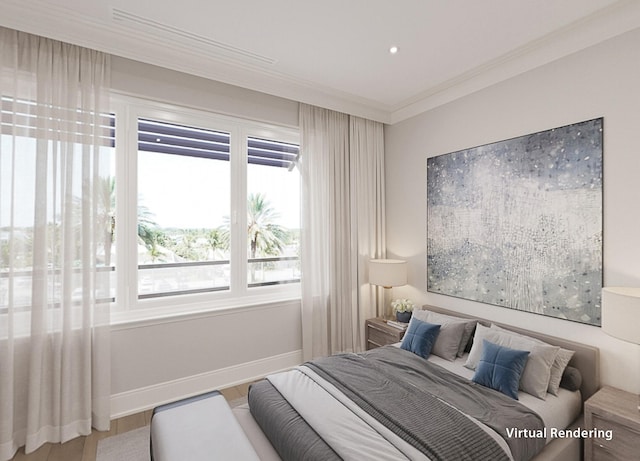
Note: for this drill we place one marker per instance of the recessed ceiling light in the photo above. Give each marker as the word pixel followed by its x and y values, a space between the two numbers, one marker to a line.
pixel 393 50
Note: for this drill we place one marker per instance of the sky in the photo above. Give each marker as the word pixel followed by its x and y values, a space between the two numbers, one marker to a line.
pixel 189 192
pixel 182 192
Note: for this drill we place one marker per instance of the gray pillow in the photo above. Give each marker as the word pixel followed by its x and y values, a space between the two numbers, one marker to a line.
pixel 537 371
pixel 559 364
pixel 469 328
pixel 451 331
pixel 469 325
pixel 571 379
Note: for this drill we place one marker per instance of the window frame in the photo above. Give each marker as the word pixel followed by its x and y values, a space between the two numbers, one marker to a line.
pixel 128 306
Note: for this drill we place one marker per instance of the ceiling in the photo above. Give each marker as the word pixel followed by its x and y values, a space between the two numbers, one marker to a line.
pixel 335 53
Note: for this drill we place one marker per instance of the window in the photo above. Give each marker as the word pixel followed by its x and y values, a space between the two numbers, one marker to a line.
pixel 183 209
pixel 273 217
pixel 25 134
pixel 207 209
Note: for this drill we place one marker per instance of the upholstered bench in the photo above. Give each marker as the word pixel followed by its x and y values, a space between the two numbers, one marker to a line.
pixel 197 429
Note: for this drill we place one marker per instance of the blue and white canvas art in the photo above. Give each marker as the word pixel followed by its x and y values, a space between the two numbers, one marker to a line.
pixel 518 223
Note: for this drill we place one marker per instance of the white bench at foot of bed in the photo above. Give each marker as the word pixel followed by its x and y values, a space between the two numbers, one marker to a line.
pixel 198 429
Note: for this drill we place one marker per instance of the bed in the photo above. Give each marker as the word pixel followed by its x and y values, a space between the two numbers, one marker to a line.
pixel 391 403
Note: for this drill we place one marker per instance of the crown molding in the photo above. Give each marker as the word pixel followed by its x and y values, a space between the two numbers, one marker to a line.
pixel 188 53
pixel 617 19
pixel 180 53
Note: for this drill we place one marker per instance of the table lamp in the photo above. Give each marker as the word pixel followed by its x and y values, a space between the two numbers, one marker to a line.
pixel 621 314
pixel 387 273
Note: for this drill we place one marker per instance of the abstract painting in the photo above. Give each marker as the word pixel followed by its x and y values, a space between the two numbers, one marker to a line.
pixel 518 223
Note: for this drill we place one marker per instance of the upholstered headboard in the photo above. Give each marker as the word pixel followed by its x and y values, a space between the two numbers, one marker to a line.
pixel 586 358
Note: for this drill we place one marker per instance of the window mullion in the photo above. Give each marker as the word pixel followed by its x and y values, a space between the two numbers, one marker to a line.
pixel 126 214
pixel 239 211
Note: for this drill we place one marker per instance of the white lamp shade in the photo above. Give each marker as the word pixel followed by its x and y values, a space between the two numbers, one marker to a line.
pixel 621 313
pixel 388 272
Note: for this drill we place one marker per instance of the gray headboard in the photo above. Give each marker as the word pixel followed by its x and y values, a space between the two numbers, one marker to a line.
pixel 586 358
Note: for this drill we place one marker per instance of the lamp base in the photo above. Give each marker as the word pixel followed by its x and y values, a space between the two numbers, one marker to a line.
pixel 386 303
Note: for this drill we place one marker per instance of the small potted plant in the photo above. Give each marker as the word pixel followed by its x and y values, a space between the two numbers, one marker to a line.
pixel 403 308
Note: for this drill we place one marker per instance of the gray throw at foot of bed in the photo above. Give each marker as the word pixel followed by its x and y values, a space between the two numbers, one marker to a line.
pixel 287 431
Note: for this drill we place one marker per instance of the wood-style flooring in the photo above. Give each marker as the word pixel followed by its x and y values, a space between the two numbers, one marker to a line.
pixel 84 448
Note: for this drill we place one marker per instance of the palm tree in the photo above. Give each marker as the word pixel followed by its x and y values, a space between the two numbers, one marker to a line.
pixel 186 247
pixel 147 227
pixel 154 247
pixel 106 214
pixel 265 236
pixel 217 239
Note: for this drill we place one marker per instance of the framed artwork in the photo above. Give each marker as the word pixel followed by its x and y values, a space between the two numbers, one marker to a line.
pixel 518 223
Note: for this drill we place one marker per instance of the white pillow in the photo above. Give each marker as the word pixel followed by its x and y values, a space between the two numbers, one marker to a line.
pixel 451 331
pixel 537 372
pixel 559 364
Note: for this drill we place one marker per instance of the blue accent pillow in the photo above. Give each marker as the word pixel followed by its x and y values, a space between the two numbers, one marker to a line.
pixel 420 337
pixel 500 368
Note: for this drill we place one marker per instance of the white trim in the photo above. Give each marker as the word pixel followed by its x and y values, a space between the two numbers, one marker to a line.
pixel 610 22
pixel 202 116
pixel 142 399
pixel 137 318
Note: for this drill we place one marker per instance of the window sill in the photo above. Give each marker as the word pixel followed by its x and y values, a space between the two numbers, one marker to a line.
pixel 180 311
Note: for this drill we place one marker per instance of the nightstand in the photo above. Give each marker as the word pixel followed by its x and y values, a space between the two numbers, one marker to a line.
pixel 378 333
pixel 615 410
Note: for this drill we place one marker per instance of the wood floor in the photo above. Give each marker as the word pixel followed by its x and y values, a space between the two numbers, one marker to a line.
pixel 84 448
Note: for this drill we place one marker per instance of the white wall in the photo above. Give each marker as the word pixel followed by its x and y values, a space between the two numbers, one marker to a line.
pixel 162 360
pixel 156 361
pixel 160 84
pixel 602 81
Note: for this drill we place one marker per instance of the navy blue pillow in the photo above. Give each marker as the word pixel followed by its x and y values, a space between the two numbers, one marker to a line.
pixel 420 337
pixel 500 368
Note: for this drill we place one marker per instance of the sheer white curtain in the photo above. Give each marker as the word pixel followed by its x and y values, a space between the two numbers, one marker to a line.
pixel 55 236
pixel 368 220
pixel 342 167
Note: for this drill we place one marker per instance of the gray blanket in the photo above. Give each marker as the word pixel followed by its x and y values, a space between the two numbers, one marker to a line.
pixel 406 394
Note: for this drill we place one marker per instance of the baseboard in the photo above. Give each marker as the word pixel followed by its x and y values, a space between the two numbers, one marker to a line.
pixel 142 399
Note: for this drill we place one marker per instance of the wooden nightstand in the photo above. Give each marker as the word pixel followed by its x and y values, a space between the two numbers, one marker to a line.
pixel 615 410
pixel 378 333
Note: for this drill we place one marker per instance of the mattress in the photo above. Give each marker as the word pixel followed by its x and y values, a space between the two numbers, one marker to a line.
pixel 557 412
